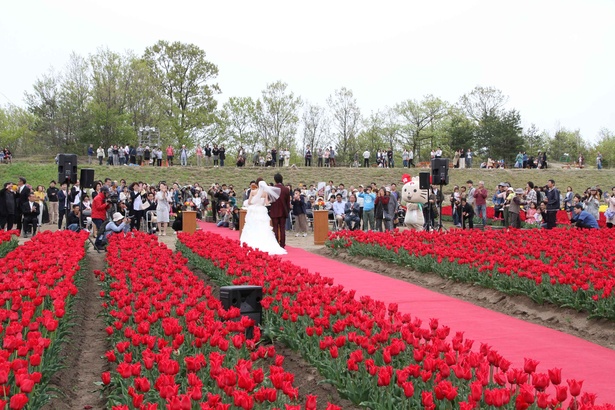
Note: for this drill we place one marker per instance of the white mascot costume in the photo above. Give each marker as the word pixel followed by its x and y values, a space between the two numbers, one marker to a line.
pixel 415 198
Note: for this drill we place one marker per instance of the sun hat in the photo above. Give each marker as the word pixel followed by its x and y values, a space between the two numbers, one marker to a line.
pixel 519 191
pixel 510 188
pixel 117 216
pixel 388 189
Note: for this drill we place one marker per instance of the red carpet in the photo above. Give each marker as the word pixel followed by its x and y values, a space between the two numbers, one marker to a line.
pixel 512 338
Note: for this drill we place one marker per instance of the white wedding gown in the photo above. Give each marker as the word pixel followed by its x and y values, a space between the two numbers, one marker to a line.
pixel 257 231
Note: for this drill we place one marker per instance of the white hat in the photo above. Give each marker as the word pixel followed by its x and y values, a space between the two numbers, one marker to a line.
pixel 117 216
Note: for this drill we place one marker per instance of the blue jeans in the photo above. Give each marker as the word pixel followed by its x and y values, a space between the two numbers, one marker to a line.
pixel 481 211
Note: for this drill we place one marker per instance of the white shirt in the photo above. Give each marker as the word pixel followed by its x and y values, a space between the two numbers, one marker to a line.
pixel 366 154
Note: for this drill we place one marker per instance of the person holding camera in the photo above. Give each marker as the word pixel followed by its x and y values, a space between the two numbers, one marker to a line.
pixel 100 205
pixel 300 212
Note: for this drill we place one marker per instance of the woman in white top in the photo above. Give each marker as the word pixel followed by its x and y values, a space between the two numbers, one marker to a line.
pixel 162 209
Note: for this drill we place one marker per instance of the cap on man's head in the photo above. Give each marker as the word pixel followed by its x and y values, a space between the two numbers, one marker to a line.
pixel 104 188
pixel 519 191
pixel 593 188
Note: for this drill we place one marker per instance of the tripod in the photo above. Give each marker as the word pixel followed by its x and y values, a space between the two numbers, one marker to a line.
pixel 432 226
pixel 440 227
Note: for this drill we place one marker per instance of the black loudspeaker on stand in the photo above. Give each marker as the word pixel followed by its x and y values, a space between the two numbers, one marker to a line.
pixel 67 168
pixel 247 299
pixel 439 171
pixel 424 180
pixel 86 179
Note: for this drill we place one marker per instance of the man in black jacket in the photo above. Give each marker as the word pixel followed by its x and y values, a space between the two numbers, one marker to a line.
pixel 30 210
pixel 553 204
pixel 7 206
pixel 23 192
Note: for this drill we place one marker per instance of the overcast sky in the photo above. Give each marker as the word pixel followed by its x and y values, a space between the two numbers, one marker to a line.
pixel 554 59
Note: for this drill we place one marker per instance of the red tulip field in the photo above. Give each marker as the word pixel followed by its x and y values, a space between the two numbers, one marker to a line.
pixel 170 344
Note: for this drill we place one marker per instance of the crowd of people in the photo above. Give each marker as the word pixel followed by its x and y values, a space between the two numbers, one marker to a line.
pixel 138 205
pixel 539 203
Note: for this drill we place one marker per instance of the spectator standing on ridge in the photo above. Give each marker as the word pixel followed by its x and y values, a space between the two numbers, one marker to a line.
pixel 90 153
pixel 331 157
pixel 222 155
pixel 308 156
pixel 170 155
pixel 207 155
pixel 469 158
pixel 199 155
pixel 274 157
pixel 366 156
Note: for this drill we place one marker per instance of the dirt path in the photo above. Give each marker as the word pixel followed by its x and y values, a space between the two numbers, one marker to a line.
pixel 87 344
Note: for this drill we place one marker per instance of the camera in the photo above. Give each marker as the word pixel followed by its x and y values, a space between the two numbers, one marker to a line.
pixel 113 199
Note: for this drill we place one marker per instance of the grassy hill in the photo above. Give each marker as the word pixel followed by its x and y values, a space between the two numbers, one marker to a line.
pixel 579 179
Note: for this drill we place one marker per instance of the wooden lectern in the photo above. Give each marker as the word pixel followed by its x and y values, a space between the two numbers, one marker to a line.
pixel 189 221
pixel 321 226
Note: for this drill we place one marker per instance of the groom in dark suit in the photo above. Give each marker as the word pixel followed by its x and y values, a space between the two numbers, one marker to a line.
pixel 279 211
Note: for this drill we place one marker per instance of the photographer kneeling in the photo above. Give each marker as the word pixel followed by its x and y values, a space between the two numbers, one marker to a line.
pixel 119 224
pixel 583 219
pixel 74 221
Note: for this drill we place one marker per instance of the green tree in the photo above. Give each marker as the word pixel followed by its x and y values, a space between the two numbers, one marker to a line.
pixel 606 147
pixel 567 143
pixel 44 103
pixel 110 117
pixel 315 128
pixel 17 130
pixel 346 123
pixel 498 131
pixel 371 137
pixel 75 97
pixel 535 140
pixel 500 135
pixel 461 131
pixel 238 113
pixel 185 78
pixel 144 102
pixel 276 116
pixel 420 121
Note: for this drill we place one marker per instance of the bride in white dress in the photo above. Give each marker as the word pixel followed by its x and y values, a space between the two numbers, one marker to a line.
pixel 257 231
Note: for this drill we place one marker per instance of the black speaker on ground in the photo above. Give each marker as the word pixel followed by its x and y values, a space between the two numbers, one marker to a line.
pixel 247 299
pixel 424 180
pixel 439 171
pixel 67 168
pixel 86 180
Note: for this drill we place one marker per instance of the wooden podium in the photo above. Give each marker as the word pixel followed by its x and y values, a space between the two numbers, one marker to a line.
pixel 321 226
pixel 189 221
pixel 242 219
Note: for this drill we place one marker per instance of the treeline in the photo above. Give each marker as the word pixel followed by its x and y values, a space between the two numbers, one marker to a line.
pixel 107 97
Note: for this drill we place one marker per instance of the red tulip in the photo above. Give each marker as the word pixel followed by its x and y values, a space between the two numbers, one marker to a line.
pixel 575 387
